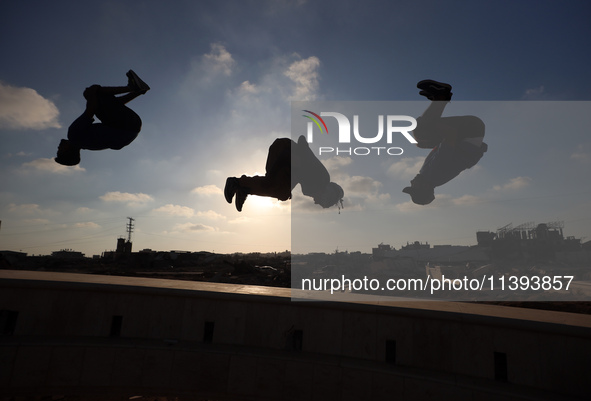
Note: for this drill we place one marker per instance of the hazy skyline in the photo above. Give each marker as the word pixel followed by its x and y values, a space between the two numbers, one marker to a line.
pixel 223 76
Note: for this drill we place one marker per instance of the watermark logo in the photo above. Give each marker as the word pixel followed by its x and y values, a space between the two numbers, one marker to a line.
pixel 346 133
pixel 318 120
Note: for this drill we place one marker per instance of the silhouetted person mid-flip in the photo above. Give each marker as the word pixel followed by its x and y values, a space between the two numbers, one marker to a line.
pixel 119 124
pixel 288 164
pixel 456 143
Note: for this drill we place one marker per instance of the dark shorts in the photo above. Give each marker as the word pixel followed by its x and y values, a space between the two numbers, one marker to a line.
pixel 445 162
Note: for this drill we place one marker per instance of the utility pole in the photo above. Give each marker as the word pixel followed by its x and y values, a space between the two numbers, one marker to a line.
pixel 129 228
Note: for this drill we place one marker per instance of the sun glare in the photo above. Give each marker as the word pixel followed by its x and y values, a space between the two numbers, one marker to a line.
pixel 265 204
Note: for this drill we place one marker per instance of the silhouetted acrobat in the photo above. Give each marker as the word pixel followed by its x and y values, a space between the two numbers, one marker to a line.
pixel 119 124
pixel 455 142
pixel 288 164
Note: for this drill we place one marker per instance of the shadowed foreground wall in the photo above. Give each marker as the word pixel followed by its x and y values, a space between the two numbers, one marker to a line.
pixel 101 337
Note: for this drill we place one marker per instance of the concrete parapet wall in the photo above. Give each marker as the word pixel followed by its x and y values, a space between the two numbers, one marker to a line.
pixel 120 336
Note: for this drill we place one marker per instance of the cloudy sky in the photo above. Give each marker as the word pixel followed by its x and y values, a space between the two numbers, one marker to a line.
pixel 223 76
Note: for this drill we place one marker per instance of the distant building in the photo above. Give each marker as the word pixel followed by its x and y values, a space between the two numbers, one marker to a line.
pixel 67 254
pixel 8 258
pixel 415 245
pixel 529 241
pixel 123 246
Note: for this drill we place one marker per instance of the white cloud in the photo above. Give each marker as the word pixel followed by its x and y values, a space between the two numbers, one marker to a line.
pixel 189 227
pixel 535 93
pixel 35 213
pixel 207 190
pixel 513 184
pixel 337 162
pixel 36 221
pixel 24 209
pixel 130 199
pixel 466 200
pixel 88 224
pixel 24 108
pixel 441 201
pixel 241 220
pixel 409 206
pixel 175 210
pixel 406 167
pixel 213 67
pixel 219 60
pixel 361 186
pixel 304 74
pixel 210 214
pixel 246 88
pixel 50 166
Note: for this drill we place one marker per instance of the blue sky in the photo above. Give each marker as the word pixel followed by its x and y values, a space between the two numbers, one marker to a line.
pixel 223 74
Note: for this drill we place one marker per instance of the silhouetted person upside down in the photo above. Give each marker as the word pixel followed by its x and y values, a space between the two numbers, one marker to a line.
pixel 288 164
pixel 456 143
pixel 119 124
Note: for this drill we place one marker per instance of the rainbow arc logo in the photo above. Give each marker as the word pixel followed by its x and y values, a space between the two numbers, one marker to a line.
pixel 317 121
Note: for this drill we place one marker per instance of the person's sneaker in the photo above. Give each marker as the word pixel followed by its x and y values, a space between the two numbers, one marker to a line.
pixel 134 81
pixel 428 95
pixel 230 189
pixel 434 90
pixel 240 198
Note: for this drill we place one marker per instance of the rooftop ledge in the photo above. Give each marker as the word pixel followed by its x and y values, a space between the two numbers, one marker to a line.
pixel 534 319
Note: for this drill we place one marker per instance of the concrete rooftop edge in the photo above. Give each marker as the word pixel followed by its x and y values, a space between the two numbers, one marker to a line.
pixel 476 312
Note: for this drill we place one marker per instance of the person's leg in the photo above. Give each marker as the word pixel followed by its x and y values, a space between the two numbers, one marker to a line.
pixel 113 112
pixel 134 88
pixel 110 91
pixel 431 127
pixel 275 186
pixel 128 97
pixel 276 183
